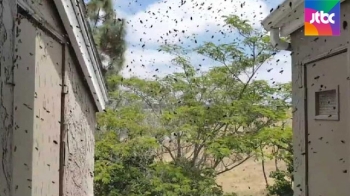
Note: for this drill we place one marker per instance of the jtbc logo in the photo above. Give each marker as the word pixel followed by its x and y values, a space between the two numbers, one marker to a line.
pixel 319 18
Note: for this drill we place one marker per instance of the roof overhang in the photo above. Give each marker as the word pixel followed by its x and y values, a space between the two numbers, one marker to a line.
pixel 72 14
pixel 288 17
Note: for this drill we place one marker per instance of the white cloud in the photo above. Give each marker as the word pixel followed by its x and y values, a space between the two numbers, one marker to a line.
pixel 194 17
pixel 150 62
pixel 152 25
pixel 279 68
pixel 147 63
pixel 143 63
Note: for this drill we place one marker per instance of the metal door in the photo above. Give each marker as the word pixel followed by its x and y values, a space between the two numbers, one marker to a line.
pixel 39 77
pixel 327 126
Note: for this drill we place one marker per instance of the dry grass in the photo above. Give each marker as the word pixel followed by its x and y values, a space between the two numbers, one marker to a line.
pixel 248 179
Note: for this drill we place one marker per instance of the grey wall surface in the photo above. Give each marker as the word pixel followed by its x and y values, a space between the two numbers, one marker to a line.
pixel 80 141
pixel 306 50
pixel 7 17
pixel 31 108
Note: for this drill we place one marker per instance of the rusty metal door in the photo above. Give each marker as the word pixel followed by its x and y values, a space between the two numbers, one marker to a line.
pixel 327 126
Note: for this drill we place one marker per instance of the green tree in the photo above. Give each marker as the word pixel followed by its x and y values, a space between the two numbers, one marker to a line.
pixel 109 35
pixel 283 185
pixel 131 166
pixel 279 139
pixel 174 135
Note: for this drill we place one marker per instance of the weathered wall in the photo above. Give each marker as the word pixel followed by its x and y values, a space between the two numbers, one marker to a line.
pixel 46 9
pixel 80 125
pixel 37 113
pixel 24 107
pixel 7 16
pixel 37 103
pixel 79 116
pixel 47 115
pixel 304 49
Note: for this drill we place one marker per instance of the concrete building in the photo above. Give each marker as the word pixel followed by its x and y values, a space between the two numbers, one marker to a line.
pixel 50 89
pixel 320 76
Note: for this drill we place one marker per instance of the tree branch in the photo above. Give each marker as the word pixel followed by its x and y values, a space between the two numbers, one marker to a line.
pixel 234 166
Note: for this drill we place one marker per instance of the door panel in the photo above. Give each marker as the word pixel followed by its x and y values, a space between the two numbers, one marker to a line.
pixel 24 79
pixel 47 126
pixel 328 130
pixel 37 115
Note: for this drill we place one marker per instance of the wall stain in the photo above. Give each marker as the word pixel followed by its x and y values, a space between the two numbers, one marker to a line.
pixel 6 93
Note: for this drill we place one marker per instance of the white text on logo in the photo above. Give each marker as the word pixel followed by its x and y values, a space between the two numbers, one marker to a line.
pixel 322 18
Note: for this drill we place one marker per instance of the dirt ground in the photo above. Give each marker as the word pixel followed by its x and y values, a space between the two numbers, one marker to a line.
pixel 247 179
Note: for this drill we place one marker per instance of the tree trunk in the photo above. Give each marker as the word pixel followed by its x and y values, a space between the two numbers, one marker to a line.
pixel 276 159
pixel 97 17
pixel 276 164
pixel 263 165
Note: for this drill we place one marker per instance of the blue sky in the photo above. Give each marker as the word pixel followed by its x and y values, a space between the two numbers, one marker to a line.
pixel 151 22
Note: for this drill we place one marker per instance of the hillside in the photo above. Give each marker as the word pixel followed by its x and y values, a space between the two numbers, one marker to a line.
pixel 247 179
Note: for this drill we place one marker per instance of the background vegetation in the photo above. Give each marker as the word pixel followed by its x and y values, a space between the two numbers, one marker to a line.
pixel 174 135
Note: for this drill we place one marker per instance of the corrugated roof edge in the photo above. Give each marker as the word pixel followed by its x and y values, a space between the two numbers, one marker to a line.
pixel 80 37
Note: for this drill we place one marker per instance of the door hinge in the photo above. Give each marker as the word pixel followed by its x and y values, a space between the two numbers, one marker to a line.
pixel 63 154
pixel 65 89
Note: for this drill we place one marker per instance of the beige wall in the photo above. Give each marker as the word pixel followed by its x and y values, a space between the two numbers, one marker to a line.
pixel 306 49
pixel 32 155
pixel 80 126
